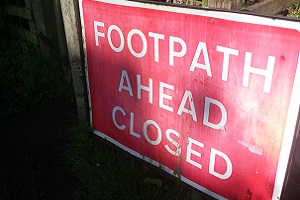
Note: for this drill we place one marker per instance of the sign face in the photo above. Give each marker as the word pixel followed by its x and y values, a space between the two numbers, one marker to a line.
pixel 208 96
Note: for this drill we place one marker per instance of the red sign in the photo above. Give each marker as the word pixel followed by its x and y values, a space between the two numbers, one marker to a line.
pixel 208 96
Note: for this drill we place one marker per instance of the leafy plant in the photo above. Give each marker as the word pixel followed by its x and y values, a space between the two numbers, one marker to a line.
pixel 294 11
pixel 204 2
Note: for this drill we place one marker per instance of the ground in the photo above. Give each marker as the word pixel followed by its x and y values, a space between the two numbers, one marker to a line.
pixel 32 163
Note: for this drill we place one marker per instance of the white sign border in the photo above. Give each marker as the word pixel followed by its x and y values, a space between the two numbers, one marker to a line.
pixel 294 105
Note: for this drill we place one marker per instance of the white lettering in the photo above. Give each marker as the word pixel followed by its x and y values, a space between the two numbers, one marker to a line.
pixel 163 96
pixel 118 108
pixel 144 41
pixel 122 86
pixel 132 126
pixel 212 161
pixel 223 120
pixel 141 87
pixel 190 151
pixel 227 52
pixel 178 149
pixel 122 40
pixel 192 111
pixel 98 34
pixel 268 73
pixel 206 66
pixel 172 52
pixel 156 37
pixel 145 132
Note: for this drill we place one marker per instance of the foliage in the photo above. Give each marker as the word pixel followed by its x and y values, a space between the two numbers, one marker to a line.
pixel 204 2
pixel 199 3
pixel 108 173
pixel 27 77
pixel 294 11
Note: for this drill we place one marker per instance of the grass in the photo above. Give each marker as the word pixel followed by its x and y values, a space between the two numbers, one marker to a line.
pixel 108 173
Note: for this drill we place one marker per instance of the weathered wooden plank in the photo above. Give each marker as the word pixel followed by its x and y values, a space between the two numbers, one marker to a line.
pixel 38 16
pixel 225 4
pixel 60 29
pixel 17 11
pixel 271 7
pixel 55 32
pixel 71 20
pixel 31 22
pixel 39 22
pixel 26 34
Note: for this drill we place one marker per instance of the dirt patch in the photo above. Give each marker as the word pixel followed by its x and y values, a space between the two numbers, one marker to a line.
pixel 32 143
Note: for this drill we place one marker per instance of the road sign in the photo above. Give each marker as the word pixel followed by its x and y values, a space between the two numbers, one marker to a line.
pixel 208 96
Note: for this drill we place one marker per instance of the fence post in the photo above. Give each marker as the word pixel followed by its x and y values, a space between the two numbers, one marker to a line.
pixel 61 38
pixel 39 22
pixel 31 22
pixel 70 14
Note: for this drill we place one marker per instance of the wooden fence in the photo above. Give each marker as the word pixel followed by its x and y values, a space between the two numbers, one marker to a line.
pixel 43 26
pixel 26 12
pixel 48 20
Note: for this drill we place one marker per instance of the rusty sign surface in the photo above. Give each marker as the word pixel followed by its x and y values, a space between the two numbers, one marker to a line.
pixel 208 96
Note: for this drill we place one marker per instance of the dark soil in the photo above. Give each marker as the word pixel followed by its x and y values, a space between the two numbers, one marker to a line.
pixel 32 163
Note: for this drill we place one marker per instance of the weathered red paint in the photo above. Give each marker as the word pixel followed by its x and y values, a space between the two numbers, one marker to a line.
pixel 256 116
